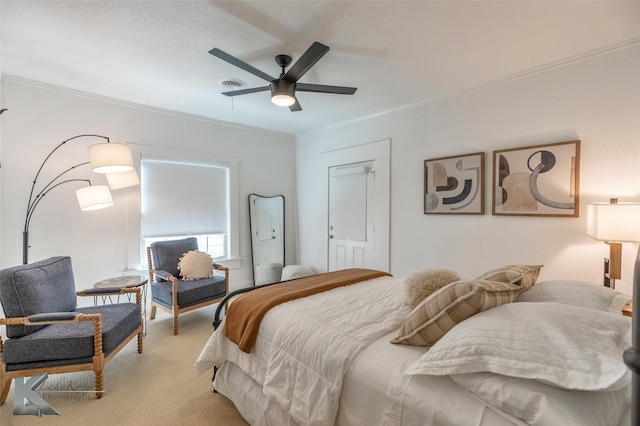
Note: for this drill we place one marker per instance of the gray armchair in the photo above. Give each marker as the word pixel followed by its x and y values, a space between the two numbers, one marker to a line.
pixel 48 333
pixel 173 294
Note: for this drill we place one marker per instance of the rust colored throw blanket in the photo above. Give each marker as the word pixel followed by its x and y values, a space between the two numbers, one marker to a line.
pixel 246 312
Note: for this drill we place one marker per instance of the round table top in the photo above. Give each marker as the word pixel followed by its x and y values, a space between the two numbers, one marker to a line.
pixel 124 281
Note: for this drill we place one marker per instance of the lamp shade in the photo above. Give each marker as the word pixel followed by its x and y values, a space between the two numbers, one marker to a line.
pixel 619 222
pixel 122 180
pixel 94 197
pixel 110 158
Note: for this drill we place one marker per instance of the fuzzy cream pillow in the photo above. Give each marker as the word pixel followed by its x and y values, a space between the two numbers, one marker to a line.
pixel 195 265
pixel 421 284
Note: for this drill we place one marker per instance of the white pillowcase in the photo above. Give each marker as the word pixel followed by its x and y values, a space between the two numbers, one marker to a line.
pixel 576 293
pixel 538 404
pixel 563 345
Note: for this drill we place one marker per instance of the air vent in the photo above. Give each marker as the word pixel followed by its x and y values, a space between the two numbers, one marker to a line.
pixel 232 83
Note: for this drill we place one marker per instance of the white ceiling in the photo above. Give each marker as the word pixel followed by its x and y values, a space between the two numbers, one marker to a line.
pixel 397 53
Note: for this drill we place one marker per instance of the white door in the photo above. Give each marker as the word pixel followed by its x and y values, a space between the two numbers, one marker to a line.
pixel 351 233
pixel 357 200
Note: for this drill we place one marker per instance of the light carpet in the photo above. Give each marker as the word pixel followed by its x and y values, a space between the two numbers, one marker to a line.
pixel 157 387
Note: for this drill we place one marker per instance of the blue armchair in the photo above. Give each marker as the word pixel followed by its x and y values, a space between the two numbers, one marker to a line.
pixel 48 333
pixel 176 295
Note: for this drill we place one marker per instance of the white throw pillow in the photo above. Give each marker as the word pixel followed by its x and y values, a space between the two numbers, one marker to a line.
pixel 268 273
pixel 563 345
pixel 291 272
pixel 195 265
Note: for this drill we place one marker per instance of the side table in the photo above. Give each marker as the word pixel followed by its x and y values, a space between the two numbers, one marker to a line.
pixel 126 281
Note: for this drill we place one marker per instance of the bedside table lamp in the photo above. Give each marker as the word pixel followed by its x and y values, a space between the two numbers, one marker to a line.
pixel 613 223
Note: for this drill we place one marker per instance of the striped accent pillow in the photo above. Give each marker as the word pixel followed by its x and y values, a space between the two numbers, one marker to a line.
pixel 450 305
pixel 522 275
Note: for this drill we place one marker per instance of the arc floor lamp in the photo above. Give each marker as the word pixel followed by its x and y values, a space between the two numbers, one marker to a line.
pixel 107 158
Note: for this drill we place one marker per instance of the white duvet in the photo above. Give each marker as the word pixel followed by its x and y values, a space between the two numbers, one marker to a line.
pixel 285 360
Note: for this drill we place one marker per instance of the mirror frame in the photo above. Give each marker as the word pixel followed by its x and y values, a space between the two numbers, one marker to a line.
pixel 252 197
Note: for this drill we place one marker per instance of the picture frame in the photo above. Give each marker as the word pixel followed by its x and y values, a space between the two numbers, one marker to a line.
pixel 454 185
pixel 538 180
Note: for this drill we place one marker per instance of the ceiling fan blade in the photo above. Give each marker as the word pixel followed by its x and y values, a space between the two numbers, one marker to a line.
pixel 322 88
pixel 246 91
pixel 240 64
pixel 295 107
pixel 306 61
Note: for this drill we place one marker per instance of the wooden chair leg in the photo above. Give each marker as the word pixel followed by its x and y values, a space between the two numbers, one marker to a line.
pixel 175 323
pixel 152 315
pixel 99 383
pixel 5 385
pixel 140 342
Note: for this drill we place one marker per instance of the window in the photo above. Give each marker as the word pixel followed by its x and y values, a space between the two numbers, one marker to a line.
pixel 181 199
pixel 214 244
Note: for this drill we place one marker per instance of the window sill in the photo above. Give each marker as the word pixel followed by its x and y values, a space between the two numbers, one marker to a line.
pixel 235 263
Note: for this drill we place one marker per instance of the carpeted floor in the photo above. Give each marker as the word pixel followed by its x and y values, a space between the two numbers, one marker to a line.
pixel 157 387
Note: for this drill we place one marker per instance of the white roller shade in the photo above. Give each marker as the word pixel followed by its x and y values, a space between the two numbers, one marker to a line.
pixel 184 198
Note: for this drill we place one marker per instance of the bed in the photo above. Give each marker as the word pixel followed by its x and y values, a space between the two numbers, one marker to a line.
pixel 545 353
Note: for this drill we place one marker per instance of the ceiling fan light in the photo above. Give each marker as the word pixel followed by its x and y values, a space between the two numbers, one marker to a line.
pixel 282 93
pixel 283 100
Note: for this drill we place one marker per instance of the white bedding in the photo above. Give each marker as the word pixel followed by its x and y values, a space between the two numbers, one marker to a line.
pixel 367 397
pixel 355 376
pixel 285 360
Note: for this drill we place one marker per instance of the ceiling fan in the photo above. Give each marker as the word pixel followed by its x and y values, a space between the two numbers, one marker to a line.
pixel 283 89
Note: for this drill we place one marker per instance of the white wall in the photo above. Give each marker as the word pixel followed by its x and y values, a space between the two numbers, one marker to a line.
pixel 104 243
pixel 596 101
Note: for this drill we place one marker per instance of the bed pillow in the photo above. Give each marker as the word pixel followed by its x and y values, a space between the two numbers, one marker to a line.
pixel 450 305
pixel 539 404
pixel 522 275
pixel 576 293
pixel 420 285
pixel 562 345
pixel 195 265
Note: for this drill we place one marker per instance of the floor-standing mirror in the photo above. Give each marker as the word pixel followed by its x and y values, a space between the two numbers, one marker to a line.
pixel 266 216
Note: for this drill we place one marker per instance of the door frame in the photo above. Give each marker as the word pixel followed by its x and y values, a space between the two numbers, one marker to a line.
pixel 380 153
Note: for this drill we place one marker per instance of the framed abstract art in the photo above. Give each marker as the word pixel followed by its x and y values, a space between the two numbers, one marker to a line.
pixel 540 180
pixel 454 185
